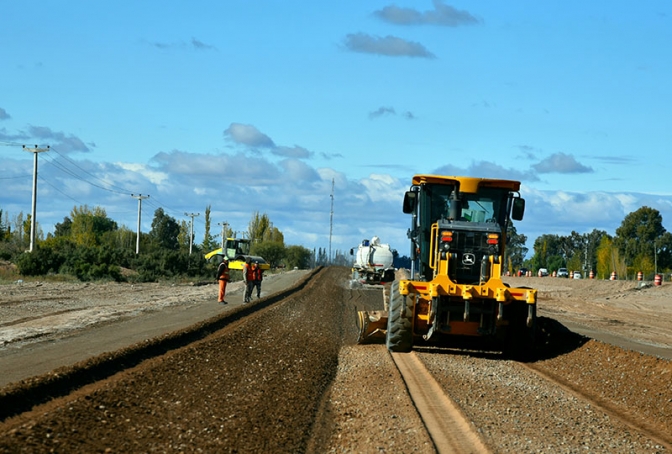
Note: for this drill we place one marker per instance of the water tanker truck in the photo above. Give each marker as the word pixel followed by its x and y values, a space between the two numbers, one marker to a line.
pixel 373 262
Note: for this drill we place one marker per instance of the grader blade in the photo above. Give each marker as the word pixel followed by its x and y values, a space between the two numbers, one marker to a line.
pixel 372 327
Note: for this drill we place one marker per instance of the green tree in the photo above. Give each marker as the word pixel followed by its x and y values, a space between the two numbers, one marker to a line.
pixel 273 234
pixel 3 229
pixel 272 251
pixel 298 256
pixel 209 242
pixel 609 260
pixel 63 229
pixel 322 258
pixel 122 238
pixel 545 246
pixel 165 231
pixel 258 226
pixel 90 225
pixel 642 234
pixel 26 227
pixel 515 248
pixel 183 235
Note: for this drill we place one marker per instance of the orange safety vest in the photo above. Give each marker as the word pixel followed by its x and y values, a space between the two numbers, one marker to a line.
pixel 248 272
pixel 223 271
pixel 257 272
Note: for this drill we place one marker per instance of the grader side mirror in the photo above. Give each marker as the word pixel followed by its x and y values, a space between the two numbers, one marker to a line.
pixel 410 199
pixel 518 209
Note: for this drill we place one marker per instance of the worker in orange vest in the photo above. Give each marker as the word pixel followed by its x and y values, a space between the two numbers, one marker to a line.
pixel 258 276
pixel 223 278
pixel 248 279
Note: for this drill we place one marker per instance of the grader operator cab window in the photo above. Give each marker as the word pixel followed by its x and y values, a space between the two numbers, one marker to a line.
pixel 476 207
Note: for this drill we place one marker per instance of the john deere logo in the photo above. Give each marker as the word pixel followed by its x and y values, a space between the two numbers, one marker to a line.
pixel 468 259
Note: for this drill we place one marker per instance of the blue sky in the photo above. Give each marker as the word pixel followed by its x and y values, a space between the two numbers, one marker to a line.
pixel 258 106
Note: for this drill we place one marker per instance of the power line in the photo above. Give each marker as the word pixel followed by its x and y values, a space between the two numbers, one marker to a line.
pixel 75 171
pixel 123 190
pixel 10 144
pixel 58 190
pixel 72 173
pixel 16 177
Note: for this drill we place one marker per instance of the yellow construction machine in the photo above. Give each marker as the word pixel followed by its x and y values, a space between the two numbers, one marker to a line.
pixel 237 250
pixel 455 295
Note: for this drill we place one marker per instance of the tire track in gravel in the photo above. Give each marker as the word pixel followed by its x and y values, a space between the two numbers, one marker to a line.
pixel 449 428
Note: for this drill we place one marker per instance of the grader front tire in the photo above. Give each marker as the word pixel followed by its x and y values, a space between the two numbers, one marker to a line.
pixel 399 336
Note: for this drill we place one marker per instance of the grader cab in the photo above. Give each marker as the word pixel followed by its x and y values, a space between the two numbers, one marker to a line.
pixel 455 294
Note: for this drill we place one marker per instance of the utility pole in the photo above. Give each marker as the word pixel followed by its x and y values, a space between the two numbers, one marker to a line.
pixel 140 198
pixel 191 235
pixel 331 218
pixel 35 151
pixel 224 229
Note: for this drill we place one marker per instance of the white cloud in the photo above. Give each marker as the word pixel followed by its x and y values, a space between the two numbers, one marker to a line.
pixel 247 135
pixel 152 175
pixel 442 15
pixel 390 46
pixel 561 163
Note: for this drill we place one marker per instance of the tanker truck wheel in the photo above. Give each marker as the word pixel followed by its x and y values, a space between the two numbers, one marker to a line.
pixel 399 336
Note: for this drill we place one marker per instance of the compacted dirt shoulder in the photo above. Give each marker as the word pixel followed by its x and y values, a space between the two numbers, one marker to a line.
pixel 47 325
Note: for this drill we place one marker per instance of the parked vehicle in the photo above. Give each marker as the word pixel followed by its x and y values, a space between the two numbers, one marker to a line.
pixel 577 275
pixel 563 272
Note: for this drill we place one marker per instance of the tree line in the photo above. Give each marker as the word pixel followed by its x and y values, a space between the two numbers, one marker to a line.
pixel 89 245
pixel 640 244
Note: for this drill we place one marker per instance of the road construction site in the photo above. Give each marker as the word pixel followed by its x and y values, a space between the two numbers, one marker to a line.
pixel 284 374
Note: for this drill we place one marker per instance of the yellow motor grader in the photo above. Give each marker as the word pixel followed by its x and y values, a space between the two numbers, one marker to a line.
pixel 455 295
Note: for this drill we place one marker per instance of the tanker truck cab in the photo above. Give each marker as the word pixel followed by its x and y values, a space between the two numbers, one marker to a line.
pixel 455 294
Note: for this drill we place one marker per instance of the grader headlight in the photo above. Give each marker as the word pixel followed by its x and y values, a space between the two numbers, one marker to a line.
pixel 493 242
pixel 446 240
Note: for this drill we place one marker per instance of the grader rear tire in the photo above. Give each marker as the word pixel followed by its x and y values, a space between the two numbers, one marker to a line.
pixel 399 337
